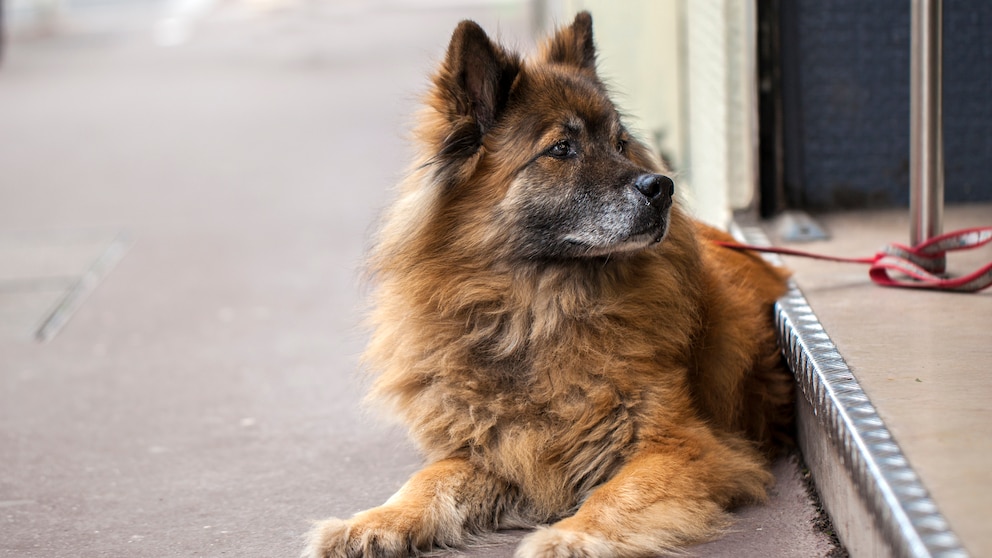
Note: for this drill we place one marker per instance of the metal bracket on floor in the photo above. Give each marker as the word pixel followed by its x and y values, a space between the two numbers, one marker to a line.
pixel 798 226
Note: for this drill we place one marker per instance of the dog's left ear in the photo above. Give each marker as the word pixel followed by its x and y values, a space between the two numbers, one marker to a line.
pixel 477 76
pixel 573 45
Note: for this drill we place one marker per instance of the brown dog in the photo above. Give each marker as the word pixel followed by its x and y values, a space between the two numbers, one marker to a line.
pixel 567 347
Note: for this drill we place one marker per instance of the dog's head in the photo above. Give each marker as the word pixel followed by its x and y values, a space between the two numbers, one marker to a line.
pixel 536 150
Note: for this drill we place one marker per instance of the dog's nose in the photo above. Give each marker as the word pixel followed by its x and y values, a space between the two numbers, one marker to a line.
pixel 654 186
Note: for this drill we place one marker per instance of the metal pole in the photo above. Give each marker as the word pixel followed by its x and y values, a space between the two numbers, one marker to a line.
pixel 926 137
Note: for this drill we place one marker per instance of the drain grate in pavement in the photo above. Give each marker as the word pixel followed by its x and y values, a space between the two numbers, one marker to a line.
pixel 45 278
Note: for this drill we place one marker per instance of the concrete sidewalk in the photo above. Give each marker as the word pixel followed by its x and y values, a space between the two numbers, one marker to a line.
pixel 204 399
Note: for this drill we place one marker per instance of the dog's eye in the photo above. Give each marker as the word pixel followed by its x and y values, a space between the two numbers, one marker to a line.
pixel 622 146
pixel 560 150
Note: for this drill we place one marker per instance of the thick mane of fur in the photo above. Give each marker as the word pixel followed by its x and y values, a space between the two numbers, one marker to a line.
pixel 451 314
pixel 464 341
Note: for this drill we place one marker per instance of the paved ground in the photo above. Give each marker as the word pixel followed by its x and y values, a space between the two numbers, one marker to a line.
pixel 203 400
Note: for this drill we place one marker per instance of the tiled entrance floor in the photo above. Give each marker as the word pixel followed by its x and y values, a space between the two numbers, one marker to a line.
pixel 923 358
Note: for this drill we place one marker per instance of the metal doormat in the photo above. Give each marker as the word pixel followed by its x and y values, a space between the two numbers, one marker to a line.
pixel 46 276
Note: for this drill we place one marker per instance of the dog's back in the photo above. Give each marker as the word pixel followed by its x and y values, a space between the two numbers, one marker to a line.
pixel 741 380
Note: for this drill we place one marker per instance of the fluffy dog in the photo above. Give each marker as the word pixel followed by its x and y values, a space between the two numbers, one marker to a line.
pixel 569 349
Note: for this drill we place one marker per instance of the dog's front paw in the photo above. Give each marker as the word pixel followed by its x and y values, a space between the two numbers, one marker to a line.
pixel 327 539
pixel 552 542
pixel 365 536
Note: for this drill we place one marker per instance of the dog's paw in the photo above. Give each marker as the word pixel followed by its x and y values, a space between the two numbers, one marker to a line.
pixel 361 537
pixel 327 539
pixel 552 542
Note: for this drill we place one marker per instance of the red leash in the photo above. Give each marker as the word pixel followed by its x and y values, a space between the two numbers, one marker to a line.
pixel 923 265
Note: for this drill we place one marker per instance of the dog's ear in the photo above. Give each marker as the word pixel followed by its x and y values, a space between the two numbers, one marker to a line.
pixel 476 77
pixel 573 45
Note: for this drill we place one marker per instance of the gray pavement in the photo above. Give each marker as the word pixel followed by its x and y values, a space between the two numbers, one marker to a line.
pixel 203 399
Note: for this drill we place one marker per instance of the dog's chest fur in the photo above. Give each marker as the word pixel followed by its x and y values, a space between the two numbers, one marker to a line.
pixel 548 380
pixel 555 418
pixel 554 437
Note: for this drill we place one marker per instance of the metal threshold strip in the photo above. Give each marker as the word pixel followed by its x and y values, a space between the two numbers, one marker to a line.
pixel 846 442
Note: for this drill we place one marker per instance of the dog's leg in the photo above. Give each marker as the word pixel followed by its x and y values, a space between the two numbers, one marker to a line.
pixel 663 498
pixel 434 508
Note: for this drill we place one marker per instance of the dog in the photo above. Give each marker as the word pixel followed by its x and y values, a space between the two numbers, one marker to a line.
pixel 571 351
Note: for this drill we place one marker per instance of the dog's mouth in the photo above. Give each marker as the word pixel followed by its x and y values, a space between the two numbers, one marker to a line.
pixel 643 235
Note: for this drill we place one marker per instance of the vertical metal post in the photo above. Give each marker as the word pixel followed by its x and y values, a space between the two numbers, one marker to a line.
pixel 926 137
